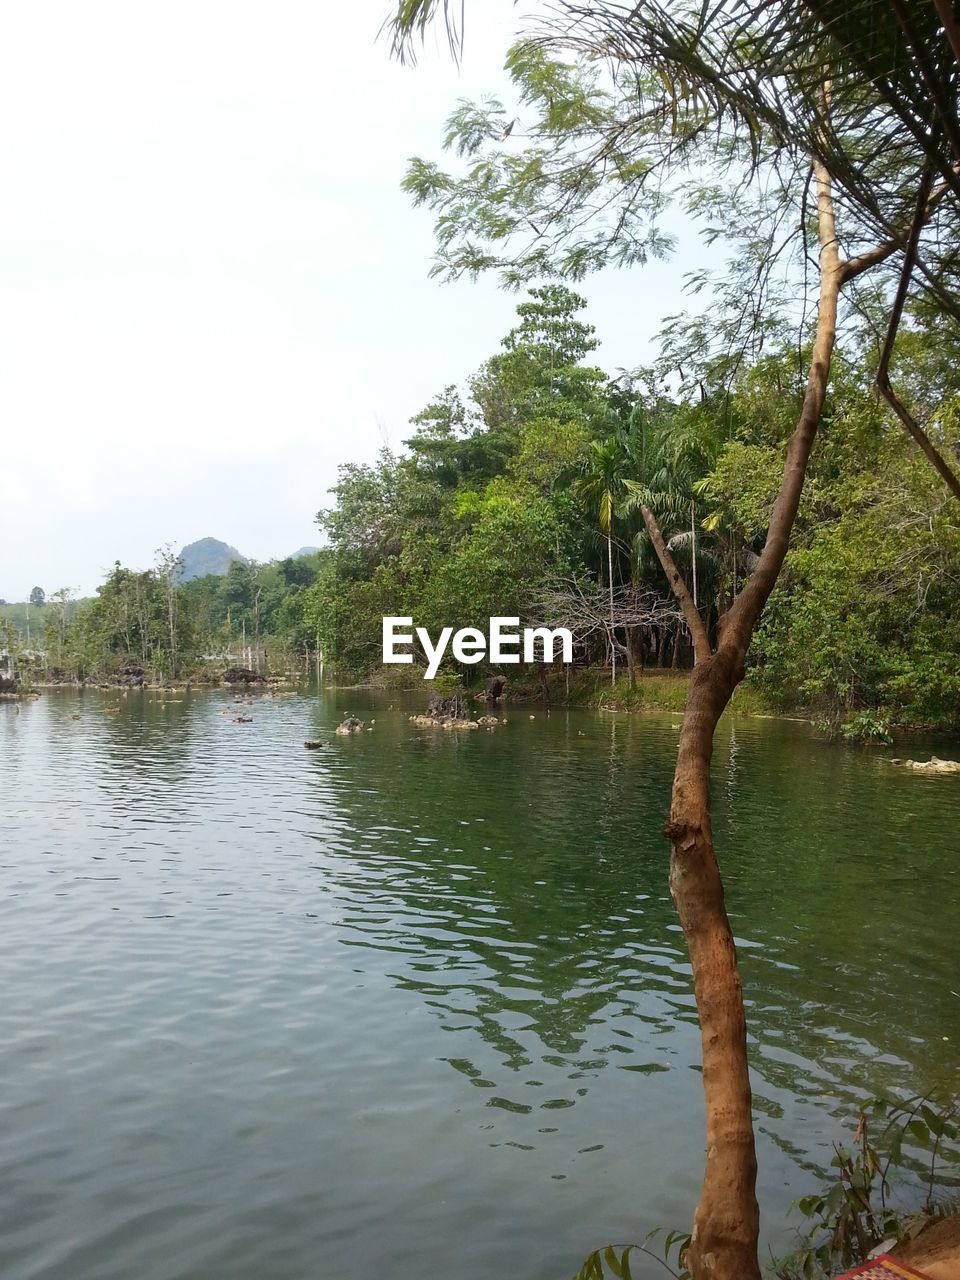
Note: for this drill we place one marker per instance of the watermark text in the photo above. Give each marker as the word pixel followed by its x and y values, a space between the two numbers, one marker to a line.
pixel 503 643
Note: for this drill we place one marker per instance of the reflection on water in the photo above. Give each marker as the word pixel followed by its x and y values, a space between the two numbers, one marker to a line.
pixel 417 1003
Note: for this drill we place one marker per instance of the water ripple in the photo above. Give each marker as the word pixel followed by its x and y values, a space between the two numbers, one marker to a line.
pixel 419 1001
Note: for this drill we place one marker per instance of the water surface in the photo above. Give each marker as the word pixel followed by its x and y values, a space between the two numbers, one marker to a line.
pixel 417 1003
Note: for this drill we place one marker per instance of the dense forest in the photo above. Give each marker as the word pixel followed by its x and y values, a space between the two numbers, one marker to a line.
pixel 172 629
pixel 770 503
pixel 520 494
pixel 815 148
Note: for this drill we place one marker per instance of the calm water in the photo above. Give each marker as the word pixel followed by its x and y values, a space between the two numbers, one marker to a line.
pixel 417 1004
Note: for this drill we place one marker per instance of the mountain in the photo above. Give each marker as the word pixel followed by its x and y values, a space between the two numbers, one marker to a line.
pixel 207 556
pixel 304 551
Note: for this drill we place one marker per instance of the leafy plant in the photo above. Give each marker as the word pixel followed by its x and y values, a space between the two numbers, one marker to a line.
pixel 867 727
pixel 614 1263
pixel 856 1215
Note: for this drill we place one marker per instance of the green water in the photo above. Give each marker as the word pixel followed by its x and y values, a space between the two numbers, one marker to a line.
pixel 416 1004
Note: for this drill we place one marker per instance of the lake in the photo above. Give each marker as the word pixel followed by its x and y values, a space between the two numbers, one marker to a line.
pixel 416 1004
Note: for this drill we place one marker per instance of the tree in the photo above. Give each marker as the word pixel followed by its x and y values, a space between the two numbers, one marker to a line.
pixel 585 609
pixel 38 597
pixel 459 528
pixel 56 625
pixel 603 486
pixel 676 448
pixel 168 573
pixel 725 90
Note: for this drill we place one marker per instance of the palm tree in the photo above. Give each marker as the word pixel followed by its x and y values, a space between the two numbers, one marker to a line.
pixel 676 451
pixel 603 487
pixel 857 103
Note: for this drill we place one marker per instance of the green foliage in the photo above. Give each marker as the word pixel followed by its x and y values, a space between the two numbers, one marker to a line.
pixel 539 470
pixel 857 1213
pixel 477 513
pixel 741 489
pixel 574 198
pixel 622 113
pixel 866 727
pixel 174 628
pixel 865 620
pixel 536 472
pixel 615 1263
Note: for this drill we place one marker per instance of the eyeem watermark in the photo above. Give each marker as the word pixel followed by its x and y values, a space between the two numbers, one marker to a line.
pixel 470 645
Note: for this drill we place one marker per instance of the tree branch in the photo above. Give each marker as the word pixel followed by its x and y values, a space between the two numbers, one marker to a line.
pixel 933 454
pixel 738 623
pixel 926 207
pixel 949 19
pixel 698 632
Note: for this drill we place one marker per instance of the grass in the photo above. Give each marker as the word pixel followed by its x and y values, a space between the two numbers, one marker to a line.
pixel 655 690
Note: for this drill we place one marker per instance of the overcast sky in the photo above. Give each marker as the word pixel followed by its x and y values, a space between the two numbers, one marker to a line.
pixel 212 290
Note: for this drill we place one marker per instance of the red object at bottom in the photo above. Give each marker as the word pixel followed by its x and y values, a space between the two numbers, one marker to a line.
pixel 884 1268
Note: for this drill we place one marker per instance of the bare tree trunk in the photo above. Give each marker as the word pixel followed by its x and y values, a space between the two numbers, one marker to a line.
pixel 693 558
pixel 173 634
pixel 172 620
pixel 613 639
pixel 542 677
pixel 727 1219
pixel 256 606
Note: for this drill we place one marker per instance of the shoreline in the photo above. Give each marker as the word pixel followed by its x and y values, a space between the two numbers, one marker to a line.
pixel 588 688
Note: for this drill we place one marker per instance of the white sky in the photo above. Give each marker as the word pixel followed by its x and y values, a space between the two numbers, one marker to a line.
pixel 212 290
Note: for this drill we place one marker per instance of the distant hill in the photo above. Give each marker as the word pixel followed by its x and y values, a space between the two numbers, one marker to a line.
pixel 304 551
pixel 205 557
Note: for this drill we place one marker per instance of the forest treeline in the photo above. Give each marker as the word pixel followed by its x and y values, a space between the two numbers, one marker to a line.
pixel 173 630
pixel 814 148
pixel 520 494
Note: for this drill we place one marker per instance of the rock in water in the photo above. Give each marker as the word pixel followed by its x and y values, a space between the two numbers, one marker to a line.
pixel 933 765
pixel 453 708
pixel 242 675
pixel 494 687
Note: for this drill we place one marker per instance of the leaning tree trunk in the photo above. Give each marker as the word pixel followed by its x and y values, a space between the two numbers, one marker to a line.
pixel 727 1219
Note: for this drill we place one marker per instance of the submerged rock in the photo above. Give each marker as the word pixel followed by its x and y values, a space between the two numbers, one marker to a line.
pixel 313 744
pixel 349 726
